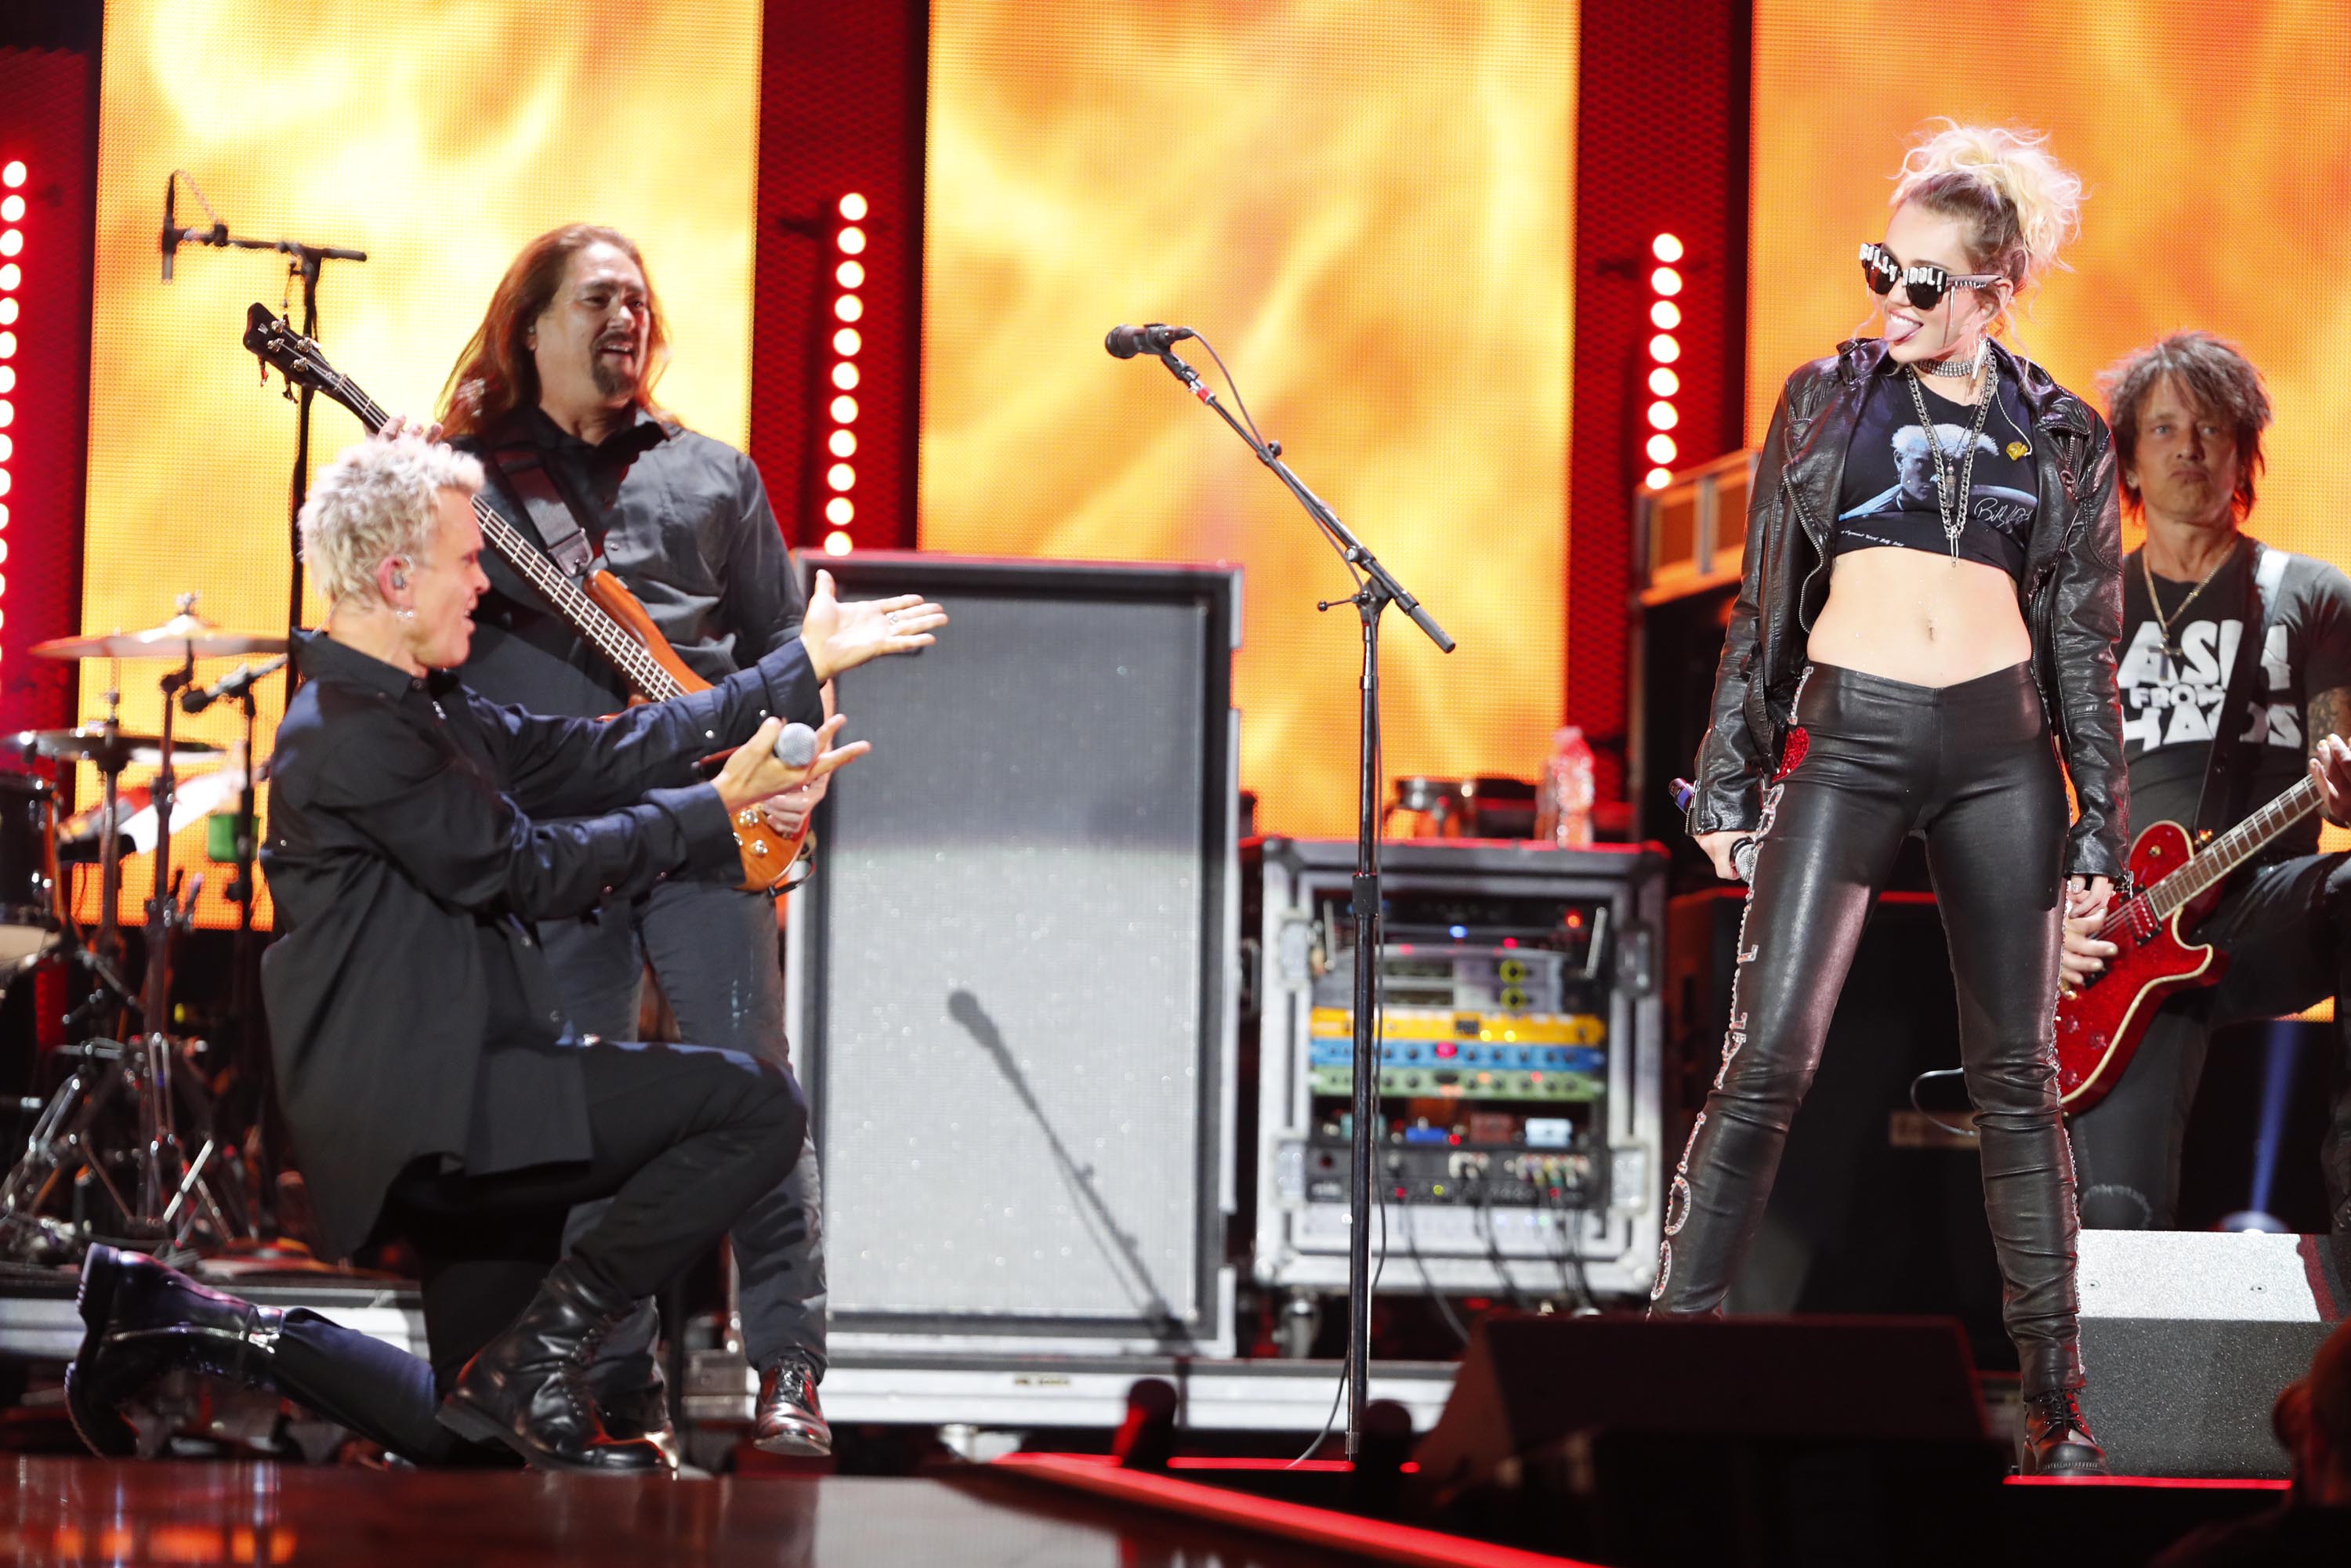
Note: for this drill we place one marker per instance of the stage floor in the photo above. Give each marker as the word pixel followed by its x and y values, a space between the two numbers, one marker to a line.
pixel 76 1511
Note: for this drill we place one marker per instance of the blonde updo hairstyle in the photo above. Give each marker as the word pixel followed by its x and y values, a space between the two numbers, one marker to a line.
pixel 2018 206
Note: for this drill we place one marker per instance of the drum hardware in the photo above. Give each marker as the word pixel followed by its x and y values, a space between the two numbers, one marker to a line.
pixel 171 1190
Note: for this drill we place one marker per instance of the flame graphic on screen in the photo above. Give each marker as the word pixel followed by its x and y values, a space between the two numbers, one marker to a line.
pixel 1370 213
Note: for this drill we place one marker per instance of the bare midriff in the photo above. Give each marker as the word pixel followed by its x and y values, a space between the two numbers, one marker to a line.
pixel 1922 619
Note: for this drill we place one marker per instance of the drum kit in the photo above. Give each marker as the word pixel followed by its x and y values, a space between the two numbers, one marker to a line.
pixel 125 1151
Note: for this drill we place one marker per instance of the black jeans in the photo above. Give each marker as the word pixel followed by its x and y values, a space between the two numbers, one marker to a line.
pixel 2286 930
pixel 712 949
pixel 1970 768
pixel 686 1139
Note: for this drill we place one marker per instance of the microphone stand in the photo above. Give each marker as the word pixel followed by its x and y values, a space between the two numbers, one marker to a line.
pixel 1376 589
pixel 305 261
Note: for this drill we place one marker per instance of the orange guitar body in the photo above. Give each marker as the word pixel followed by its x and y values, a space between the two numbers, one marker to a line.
pixel 768 855
pixel 2100 1026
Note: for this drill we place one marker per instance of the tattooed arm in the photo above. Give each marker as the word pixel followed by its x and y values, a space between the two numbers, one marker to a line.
pixel 2330 756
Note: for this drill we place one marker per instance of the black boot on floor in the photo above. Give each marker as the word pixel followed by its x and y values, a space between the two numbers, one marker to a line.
pixel 790 1420
pixel 141 1320
pixel 632 1396
pixel 2057 1441
pixel 529 1388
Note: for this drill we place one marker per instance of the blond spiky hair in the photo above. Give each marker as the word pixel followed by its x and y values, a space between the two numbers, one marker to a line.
pixel 2020 206
pixel 373 502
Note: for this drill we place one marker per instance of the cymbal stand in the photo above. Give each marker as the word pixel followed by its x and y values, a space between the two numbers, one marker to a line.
pixel 177 1197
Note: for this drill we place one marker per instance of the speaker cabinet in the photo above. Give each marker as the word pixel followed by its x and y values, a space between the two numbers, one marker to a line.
pixel 2187 1335
pixel 1011 976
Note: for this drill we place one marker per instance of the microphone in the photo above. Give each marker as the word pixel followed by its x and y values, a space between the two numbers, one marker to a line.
pixel 170 242
pixel 1742 849
pixel 796 747
pixel 1126 342
pixel 235 683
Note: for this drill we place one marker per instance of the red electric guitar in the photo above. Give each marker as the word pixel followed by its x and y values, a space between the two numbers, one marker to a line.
pixel 605 614
pixel 2099 1026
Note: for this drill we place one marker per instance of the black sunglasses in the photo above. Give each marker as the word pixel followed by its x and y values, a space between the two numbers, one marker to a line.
pixel 1925 285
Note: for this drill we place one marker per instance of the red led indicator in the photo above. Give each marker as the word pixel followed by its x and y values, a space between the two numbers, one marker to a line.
pixel 1446 1047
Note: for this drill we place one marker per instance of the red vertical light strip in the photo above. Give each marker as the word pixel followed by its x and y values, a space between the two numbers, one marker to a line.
pixel 841 376
pixel 1661 151
pixel 841 93
pixel 49 105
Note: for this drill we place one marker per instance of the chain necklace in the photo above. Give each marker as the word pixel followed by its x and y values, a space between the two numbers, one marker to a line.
pixel 2174 659
pixel 1955 516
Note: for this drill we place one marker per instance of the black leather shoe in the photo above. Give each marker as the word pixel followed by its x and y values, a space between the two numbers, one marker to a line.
pixel 632 1398
pixel 141 1320
pixel 790 1421
pixel 529 1388
pixel 2057 1441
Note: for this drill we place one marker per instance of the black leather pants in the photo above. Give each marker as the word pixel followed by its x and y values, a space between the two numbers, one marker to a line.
pixel 1970 768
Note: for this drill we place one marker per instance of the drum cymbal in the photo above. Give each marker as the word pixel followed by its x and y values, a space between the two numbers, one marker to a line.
pixel 93 743
pixel 184 636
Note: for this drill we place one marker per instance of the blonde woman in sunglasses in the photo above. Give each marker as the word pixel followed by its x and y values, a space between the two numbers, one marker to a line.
pixel 1922 644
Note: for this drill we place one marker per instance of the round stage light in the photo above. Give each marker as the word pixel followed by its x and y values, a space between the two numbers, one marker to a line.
pixel 845 376
pixel 1665 247
pixel 846 341
pixel 848 308
pixel 842 443
pixel 11 275
pixel 13 174
pixel 852 207
pixel 1658 479
pixel 1661 449
pixel 1667 314
pixel 1662 415
pixel 1664 350
pixel 844 411
pixel 839 510
pixel 1664 382
pixel 11 208
pixel 840 476
pixel 852 241
pixel 10 241
pixel 850 274
pixel 1666 280
pixel 838 543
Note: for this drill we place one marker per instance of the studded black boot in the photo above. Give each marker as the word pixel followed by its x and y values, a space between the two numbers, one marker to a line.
pixel 141 1320
pixel 529 1388
pixel 2057 1440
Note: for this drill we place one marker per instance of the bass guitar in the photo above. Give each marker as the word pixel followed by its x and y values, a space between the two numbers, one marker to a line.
pixel 606 615
pixel 2101 1024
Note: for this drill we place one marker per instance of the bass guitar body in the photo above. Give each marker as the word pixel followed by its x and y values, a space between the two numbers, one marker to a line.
pixel 2100 1025
pixel 768 856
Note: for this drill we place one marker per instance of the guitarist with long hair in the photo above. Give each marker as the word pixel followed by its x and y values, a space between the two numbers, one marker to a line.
pixel 2235 676
pixel 555 395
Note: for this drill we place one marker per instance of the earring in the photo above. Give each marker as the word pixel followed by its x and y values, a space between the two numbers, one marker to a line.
pixel 400 580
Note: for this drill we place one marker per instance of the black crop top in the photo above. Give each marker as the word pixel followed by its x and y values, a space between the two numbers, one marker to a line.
pixel 1888 497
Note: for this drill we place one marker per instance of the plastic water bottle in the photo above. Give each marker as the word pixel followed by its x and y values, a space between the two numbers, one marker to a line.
pixel 1568 787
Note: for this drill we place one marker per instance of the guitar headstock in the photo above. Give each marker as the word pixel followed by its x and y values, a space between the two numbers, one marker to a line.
pixel 273 340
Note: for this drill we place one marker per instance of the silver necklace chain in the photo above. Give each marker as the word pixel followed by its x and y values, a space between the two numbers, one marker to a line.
pixel 2164 624
pixel 1955 517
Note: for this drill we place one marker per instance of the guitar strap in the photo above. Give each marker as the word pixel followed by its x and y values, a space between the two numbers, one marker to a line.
pixel 2228 772
pixel 545 504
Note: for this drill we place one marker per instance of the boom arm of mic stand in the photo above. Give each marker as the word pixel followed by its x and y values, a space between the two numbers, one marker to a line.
pixel 1342 538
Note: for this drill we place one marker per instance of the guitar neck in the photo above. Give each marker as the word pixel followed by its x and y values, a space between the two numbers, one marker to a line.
pixel 2232 849
pixel 643 673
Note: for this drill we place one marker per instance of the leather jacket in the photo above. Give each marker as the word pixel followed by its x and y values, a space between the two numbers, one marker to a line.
pixel 2071 596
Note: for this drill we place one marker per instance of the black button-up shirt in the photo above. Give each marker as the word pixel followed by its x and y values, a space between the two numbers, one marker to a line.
pixel 682 520
pixel 416 830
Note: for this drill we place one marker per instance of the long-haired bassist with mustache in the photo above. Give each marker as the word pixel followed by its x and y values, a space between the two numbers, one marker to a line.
pixel 555 393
